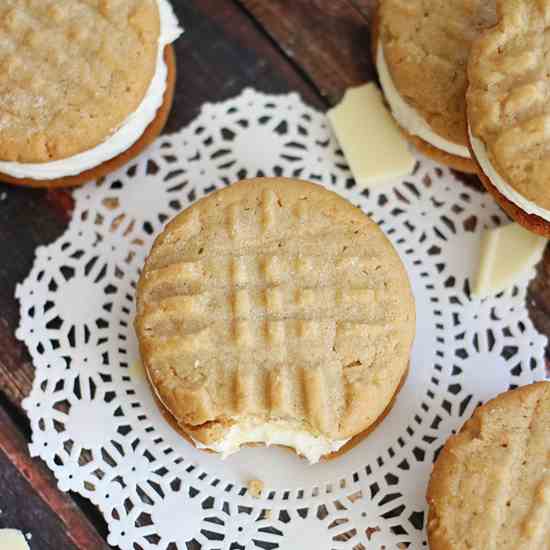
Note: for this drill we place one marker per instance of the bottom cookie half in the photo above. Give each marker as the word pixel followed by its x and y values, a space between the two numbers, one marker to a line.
pixel 353 442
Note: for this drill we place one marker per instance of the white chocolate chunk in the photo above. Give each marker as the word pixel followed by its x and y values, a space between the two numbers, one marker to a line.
pixel 370 139
pixel 12 539
pixel 507 254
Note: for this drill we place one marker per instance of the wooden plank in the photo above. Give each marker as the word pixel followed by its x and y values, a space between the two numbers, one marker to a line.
pixel 221 52
pixel 32 502
pixel 329 41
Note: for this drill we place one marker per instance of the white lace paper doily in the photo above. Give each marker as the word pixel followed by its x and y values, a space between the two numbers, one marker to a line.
pixel 93 417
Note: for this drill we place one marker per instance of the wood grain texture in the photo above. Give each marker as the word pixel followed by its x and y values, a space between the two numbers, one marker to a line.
pixel 222 52
pixel 328 41
pixel 30 500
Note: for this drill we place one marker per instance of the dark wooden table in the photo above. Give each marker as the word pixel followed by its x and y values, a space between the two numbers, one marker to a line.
pixel 315 47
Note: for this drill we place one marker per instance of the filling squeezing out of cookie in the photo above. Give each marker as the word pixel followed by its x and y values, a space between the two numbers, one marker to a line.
pixel 407 117
pixel 500 183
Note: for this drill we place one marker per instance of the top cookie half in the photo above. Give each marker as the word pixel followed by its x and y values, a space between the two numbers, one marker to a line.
pixel 426 44
pixel 274 299
pixel 509 97
pixel 71 71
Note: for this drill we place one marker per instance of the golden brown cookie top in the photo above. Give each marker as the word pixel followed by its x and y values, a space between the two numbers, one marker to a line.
pixel 509 96
pixel 71 71
pixel 274 299
pixel 490 487
pixel 426 44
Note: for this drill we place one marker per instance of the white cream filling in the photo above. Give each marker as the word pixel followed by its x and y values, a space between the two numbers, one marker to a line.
pixel 130 130
pixel 502 186
pixel 409 118
pixel 268 433
pixel 275 433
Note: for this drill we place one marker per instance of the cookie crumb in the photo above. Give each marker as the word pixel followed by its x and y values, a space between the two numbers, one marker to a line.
pixel 255 488
pixel 371 531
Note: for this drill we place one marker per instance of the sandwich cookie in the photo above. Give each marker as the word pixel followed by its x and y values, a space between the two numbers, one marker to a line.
pixel 490 486
pixel 84 86
pixel 274 312
pixel 421 50
pixel 509 111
